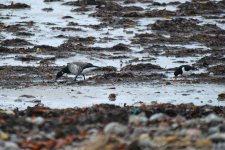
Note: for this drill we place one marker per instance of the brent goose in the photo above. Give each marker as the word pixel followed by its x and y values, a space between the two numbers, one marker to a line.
pixel 76 68
pixel 184 70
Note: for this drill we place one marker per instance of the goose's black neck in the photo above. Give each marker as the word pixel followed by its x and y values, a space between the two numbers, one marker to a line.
pixel 65 70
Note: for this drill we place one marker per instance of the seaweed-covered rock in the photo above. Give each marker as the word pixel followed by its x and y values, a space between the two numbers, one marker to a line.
pixel 15 42
pixel 138 67
pixel 120 47
pixel 185 25
pixel 14 6
pixel 193 8
pixel 115 128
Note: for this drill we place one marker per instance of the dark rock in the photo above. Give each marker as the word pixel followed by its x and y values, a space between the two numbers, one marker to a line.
pixel 112 97
pixel 133 14
pixel 52 0
pixel 24 34
pixel 107 68
pixel 221 96
pixel 47 9
pixel 160 13
pixel 14 6
pixel 120 47
pixel 4 49
pixel 72 3
pixel 44 48
pixel 72 24
pixel 139 67
pixel 158 4
pixel 132 8
pixel 67 17
pixel 112 6
pixel 193 8
pixel 217 70
pixel 15 42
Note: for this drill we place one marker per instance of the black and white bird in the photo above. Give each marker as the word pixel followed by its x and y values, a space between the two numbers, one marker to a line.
pixel 184 70
pixel 77 68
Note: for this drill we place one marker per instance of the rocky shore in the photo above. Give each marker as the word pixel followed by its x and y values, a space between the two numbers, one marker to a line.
pixel 110 127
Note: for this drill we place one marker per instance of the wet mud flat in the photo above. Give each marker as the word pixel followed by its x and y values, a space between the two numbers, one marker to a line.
pixel 110 127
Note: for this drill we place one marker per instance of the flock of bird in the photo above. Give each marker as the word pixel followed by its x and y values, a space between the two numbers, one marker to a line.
pixel 82 68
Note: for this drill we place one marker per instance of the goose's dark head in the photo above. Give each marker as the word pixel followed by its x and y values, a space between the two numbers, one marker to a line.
pixel 177 72
pixel 60 73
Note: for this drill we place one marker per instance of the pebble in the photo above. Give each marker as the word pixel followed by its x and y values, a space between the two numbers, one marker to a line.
pixel 140 130
pixel 115 128
pixel 158 117
pixel 214 130
pixel 92 134
pixel 27 96
pixel 37 120
pixel 217 137
pixel 8 112
pixel 4 136
pixel 221 97
pixel 153 102
pixel 11 145
pixel 138 119
pixel 204 143
pixel 194 133
pixel 145 143
pixel 112 97
pixel 211 118
pixel 210 101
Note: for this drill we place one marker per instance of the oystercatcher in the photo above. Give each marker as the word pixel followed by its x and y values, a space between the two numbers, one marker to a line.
pixel 77 68
pixel 183 70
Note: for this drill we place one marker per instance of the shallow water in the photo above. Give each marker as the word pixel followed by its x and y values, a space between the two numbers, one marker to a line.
pixel 131 94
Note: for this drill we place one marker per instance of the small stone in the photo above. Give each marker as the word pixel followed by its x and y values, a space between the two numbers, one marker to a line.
pixel 27 96
pixel 214 130
pixel 8 112
pixel 140 119
pixel 144 142
pixel 217 137
pixel 158 117
pixel 203 143
pixel 211 74
pixel 36 120
pixel 211 118
pixel 139 130
pixel 115 128
pixel 154 102
pixel 168 83
pixel 4 136
pixel 221 97
pixel 168 139
pixel 78 92
pixel 11 145
pixel 112 97
pixel 193 133
pixel 18 100
pixel 210 101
